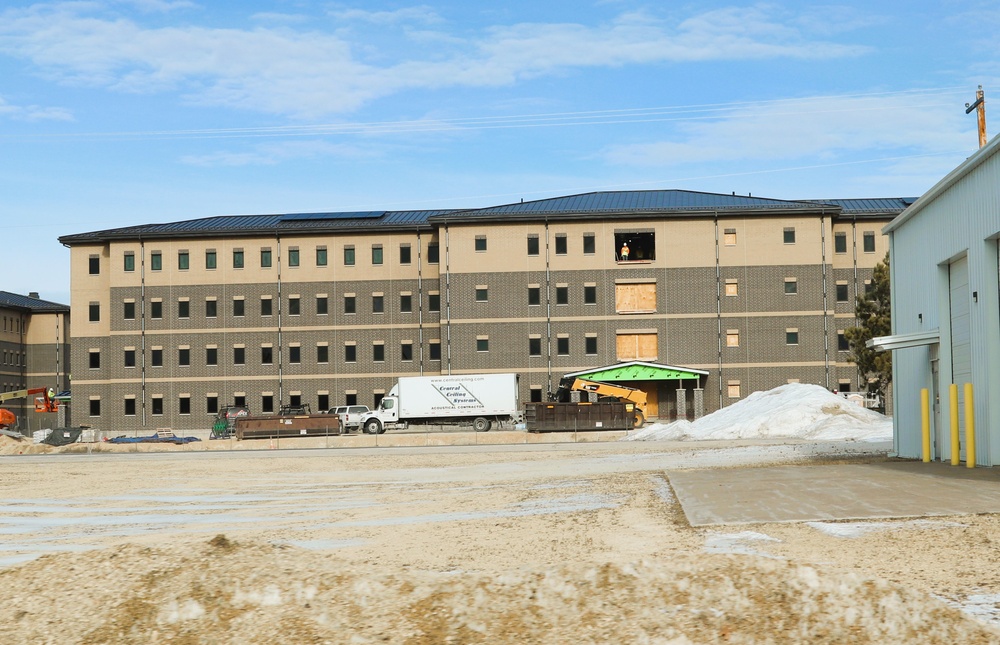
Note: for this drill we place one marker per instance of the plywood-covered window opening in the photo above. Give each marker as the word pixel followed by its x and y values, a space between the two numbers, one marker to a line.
pixel 635 297
pixel 637 345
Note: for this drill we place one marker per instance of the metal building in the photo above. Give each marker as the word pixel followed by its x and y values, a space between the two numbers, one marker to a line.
pixel 946 308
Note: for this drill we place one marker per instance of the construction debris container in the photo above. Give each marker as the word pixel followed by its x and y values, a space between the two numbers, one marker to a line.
pixel 566 417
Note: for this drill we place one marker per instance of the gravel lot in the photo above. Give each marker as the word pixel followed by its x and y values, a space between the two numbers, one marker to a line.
pixel 477 544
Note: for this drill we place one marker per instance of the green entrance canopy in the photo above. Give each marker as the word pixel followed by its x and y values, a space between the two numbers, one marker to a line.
pixel 639 371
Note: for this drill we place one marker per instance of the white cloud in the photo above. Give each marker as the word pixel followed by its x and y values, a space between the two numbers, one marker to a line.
pixel 421 14
pixel 269 154
pixel 818 129
pixel 308 73
pixel 34 112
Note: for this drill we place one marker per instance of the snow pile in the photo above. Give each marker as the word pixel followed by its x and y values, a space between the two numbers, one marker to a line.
pixel 793 411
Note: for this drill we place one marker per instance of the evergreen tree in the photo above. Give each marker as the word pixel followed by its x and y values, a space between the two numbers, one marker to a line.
pixel 874 320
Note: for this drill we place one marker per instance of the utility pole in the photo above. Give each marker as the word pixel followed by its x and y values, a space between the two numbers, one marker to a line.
pixel 980 107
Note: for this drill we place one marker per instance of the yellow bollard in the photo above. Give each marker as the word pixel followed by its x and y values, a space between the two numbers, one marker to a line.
pixel 925 425
pixel 956 449
pixel 970 428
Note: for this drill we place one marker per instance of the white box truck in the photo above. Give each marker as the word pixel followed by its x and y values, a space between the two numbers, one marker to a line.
pixel 478 400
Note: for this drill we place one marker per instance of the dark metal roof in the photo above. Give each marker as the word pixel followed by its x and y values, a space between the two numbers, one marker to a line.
pixel 638 201
pixel 890 206
pixel 35 305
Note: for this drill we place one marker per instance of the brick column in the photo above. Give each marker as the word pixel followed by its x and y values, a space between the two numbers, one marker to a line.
pixel 681 403
pixel 699 403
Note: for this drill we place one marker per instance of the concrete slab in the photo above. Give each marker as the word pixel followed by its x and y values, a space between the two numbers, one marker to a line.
pixel 834 492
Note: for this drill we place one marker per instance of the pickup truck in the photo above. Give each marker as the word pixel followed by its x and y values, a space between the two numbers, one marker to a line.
pixel 350 416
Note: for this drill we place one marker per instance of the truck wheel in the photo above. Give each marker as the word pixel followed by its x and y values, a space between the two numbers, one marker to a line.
pixel 481 424
pixel 638 419
pixel 373 426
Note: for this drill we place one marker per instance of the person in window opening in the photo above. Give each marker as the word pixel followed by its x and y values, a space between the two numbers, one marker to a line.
pixel 625 252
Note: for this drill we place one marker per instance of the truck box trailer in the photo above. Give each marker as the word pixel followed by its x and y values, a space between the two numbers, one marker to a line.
pixel 479 400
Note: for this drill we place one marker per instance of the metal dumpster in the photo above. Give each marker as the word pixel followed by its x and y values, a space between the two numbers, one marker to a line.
pixel 566 417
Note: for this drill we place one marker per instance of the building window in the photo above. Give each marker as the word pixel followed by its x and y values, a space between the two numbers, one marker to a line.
pixel 482 293
pixel 590 345
pixel 183 260
pixel 211 356
pixel 155 261
pixel 562 294
pixel 240 400
pixel 376 254
pixel 184 356
pixel 293 256
pixel 239 356
pixel 129 407
pixel 267 403
pixel 129 262
pixel 94 265
pixel 635 245
pixel 237 258
pixel 212 404
pixel 266 355
pixel 404 254
pixel 733 389
pixel 378 352
pixel 483 344
pixel 156 405
pixel 433 254
pixel 350 304
pixel 238 307
pixel 590 294
pixel 732 338
pixel 293 306
pixel 183 308
pixel 350 353
pixel 265 258
pixel 561 244
pixel 788 235
pixel 869 241
pixel 480 243
pixel 322 353
pixel 791 286
pixel 433 302
pixel 156 309
pixel 156 357
pixel 294 354
pixel 840 242
pixel 129 358
pixel 94 311
pixel 842 292
pixel 95 359
pixel 729 237
pixel 635 297
pixel 535 346
pixel 211 308
pixel 434 350
pixel 321 256
pixel 535 394
pixel 211 260
pixel 406 351
pixel 349 256
pixel 533 245
pixel 95 407
pixel 534 296
pixel 405 303
pixel 378 303
pixel 791 336
pixel 842 344
pixel 266 306
pixel 562 346
pixel 732 288
pixel 184 404
pixel 589 244
pixel 322 306
pixel 128 310
pixel 322 401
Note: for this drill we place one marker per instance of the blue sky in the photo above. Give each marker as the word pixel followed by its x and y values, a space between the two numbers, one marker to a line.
pixel 115 113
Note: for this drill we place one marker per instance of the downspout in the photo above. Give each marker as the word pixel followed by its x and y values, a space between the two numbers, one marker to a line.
pixel 447 290
pixel 142 328
pixel 548 308
pixel 718 305
pixel 826 297
pixel 420 303
pixel 281 383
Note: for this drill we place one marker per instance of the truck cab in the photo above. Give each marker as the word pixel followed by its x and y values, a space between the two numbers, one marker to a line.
pixel 387 412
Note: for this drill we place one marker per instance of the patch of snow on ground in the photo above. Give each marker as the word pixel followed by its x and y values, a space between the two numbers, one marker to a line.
pixel 859 529
pixel 792 411
pixel 737 543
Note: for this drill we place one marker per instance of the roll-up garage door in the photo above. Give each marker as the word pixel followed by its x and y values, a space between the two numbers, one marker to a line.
pixel 961 336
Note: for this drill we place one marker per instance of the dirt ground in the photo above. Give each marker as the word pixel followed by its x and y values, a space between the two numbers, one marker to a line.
pixel 538 544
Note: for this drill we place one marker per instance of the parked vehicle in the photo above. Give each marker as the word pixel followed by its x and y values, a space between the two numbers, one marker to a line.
pixel 479 400
pixel 350 416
